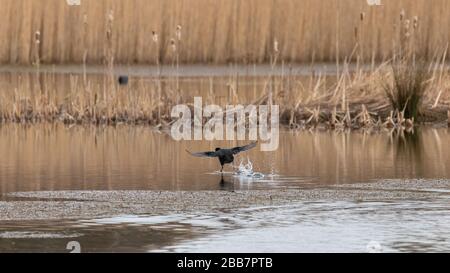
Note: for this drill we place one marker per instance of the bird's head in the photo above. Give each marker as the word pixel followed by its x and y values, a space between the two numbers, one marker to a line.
pixel 217 149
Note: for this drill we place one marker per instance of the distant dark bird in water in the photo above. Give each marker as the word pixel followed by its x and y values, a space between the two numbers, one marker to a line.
pixel 226 156
pixel 123 80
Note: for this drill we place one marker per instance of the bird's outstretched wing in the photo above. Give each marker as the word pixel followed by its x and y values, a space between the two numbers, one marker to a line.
pixel 203 154
pixel 237 150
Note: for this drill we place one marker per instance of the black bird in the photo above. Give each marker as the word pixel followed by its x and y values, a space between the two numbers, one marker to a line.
pixel 226 156
pixel 123 80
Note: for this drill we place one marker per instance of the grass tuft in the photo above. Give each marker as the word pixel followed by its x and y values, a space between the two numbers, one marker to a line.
pixel 410 80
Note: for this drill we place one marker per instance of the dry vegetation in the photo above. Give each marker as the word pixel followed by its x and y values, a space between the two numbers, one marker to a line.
pixel 392 93
pixel 213 30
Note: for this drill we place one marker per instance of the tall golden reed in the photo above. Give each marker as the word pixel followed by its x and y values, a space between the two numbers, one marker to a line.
pixel 214 31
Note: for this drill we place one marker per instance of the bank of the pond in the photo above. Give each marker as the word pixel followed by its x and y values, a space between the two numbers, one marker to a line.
pixel 53 205
pixel 308 96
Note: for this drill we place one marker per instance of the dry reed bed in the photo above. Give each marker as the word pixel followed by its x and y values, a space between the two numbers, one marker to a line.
pixel 355 100
pixel 212 31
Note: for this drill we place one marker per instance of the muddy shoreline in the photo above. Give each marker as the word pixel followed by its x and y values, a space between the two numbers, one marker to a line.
pixel 56 205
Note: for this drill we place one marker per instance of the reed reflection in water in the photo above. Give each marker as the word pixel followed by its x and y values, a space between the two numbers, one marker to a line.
pixel 58 157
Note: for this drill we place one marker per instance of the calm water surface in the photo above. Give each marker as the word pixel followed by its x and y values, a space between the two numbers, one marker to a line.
pixel 56 157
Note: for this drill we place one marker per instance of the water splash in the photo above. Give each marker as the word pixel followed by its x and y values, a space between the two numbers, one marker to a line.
pixel 246 170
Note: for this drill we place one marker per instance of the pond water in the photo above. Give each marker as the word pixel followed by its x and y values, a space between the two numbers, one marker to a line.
pixel 335 226
pixel 56 157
